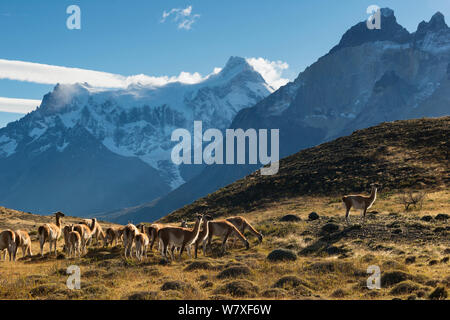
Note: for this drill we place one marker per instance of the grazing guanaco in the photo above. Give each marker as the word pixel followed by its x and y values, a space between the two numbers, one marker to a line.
pixel 113 235
pixel 223 228
pixel 50 232
pixel 179 237
pixel 8 242
pixel 129 233
pixel 242 224
pixel 74 242
pixel 23 241
pixel 360 202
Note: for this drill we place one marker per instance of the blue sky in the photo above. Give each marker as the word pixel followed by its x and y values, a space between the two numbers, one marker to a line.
pixel 130 37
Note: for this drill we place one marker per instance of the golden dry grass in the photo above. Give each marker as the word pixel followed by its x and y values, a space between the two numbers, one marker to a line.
pixel 105 274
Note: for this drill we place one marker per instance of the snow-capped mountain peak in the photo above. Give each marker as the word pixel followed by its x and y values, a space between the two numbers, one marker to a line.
pixel 135 122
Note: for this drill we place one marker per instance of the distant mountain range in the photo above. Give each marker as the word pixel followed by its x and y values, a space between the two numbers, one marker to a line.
pixel 371 76
pixel 87 150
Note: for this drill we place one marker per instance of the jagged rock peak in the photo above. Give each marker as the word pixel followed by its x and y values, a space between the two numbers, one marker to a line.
pixel 436 23
pixel 390 31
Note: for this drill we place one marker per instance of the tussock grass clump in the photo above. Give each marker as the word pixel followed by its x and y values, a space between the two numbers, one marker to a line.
pixel 282 255
pixel 144 295
pixel 234 272
pixel 335 266
pixel 439 293
pixel 274 293
pixel 177 285
pixel 200 265
pixel 339 293
pixel 290 282
pixel 239 288
pixel 405 287
pixel 393 277
pixel 45 289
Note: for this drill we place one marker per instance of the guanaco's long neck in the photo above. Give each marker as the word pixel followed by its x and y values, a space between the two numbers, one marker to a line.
pixel 196 229
pixel 206 230
pixel 92 226
pixel 373 195
pixel 58 222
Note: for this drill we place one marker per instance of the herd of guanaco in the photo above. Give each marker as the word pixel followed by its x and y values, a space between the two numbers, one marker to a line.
pixel 143 237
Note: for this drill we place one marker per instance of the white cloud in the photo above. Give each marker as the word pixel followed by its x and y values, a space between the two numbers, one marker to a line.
pixel 271 71
pixel 183 17
pixel 48 74
pixel 18 105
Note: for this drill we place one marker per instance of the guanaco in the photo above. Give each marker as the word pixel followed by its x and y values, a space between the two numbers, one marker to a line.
pixel 23 241
pixel 129 233
pixel 50 232
pixel 8 242
pixel 202 236
pixel 113 235
pixel 96 230
pixel 360 202
pixel 223 228
pixel 179 237
pixel 86 233
pixel 141 242
pixel 74 242
pixel 242 224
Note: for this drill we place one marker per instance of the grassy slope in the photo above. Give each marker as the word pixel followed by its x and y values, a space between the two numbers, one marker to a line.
pixel 401 154
pixel 387 240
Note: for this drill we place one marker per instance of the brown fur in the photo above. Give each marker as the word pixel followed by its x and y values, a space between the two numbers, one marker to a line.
pixel 86 235
pixel 223 228
pixel 179 237
pixel 113 235
pixel 50 232
pixel 23 241
pixel 202 237
pixel 96 230
pixel 129 233
pixel 8 242
pixel 75 242
pixel 66 230
pixel 242 224
pixel 359 202
pixel 141 242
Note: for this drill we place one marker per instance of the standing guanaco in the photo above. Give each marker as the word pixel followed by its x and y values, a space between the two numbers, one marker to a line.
pixel 179 237
pixel 360 202
pixel 23 241
pixel 8 242
pixel 50 232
